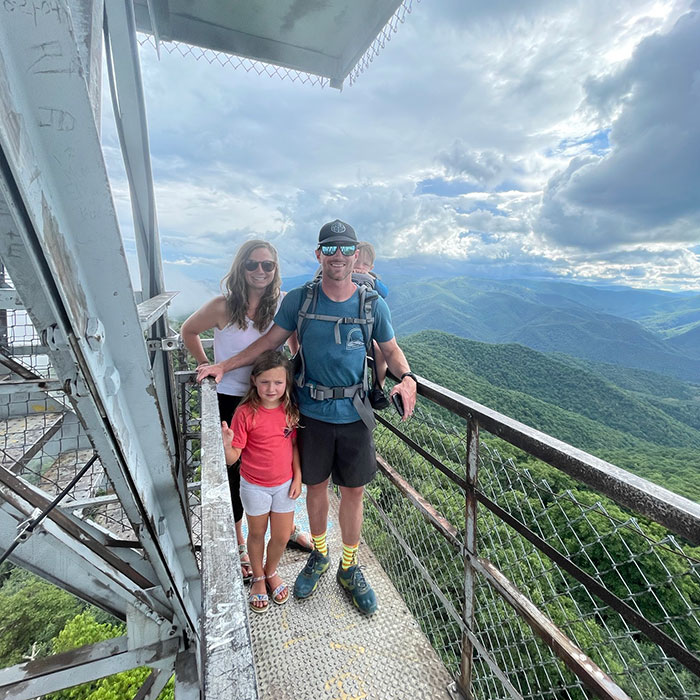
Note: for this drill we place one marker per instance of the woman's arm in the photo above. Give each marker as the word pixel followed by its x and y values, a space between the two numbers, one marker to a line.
pixel 209 316
pixel 293 343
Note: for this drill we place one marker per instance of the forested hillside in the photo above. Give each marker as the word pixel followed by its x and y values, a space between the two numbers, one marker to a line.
pixel 648 330
pixel 649 433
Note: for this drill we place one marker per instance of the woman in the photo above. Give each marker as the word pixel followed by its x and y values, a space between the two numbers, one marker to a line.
pixel 239 317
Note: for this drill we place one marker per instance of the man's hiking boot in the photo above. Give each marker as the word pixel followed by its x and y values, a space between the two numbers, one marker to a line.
pixel 356 586
pixel 307 580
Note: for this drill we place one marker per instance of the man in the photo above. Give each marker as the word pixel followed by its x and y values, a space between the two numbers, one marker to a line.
pixel 334 440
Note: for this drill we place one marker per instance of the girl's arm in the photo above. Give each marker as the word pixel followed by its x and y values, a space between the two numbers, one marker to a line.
pixel 295 487
pixel 232 453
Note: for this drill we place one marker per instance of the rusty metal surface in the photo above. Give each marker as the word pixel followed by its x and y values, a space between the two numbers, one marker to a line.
pixel 323 647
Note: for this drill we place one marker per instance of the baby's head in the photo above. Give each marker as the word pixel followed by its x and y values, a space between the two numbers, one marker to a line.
pixel 365 257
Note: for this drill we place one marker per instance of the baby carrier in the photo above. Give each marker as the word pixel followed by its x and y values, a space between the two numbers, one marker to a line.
pixel 364 397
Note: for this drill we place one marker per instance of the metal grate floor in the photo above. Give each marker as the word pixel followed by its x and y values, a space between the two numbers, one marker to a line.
pixel 323 647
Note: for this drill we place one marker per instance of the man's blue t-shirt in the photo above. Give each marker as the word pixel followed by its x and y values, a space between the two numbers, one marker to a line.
pixel 329 363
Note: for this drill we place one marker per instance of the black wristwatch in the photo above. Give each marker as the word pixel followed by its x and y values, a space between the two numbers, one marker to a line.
pixel 411 375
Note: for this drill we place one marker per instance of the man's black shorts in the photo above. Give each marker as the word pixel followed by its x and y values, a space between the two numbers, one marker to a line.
pixel 344 451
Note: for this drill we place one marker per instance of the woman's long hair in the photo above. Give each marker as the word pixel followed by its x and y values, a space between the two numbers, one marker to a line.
pixel 235 289
pixel 271 359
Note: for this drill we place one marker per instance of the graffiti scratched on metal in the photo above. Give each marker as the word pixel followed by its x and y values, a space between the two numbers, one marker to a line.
pixel 229 669
pixel 56 196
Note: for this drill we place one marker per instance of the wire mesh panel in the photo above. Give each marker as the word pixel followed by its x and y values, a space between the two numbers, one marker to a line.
pixel 647 576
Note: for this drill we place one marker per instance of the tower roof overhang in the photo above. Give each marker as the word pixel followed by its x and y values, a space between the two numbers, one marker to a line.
pixel 321 37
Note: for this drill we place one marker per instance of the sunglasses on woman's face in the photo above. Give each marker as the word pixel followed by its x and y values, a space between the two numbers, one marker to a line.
pixel 267 265
pixel 346 250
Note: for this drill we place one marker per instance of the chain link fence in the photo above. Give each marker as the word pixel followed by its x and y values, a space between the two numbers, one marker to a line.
pixel 645 569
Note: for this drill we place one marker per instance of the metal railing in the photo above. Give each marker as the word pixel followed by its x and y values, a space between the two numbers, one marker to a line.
pixel 536 570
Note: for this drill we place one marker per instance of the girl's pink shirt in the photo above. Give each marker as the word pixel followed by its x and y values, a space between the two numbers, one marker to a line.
pixel 266 444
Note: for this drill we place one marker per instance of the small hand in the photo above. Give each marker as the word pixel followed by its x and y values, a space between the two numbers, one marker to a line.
pixel 205 370
pixel 295 488
pixel 226 434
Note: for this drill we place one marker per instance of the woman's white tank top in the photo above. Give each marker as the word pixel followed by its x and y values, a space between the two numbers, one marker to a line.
pixel 229 342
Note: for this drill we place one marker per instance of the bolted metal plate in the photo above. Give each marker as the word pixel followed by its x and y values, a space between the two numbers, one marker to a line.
pixel 323 647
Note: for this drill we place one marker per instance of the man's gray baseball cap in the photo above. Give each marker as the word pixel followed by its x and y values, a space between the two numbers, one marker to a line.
pixel 336 232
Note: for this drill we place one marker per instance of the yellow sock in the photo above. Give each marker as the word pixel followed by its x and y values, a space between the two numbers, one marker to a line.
pixel 349 555
pixel 320 543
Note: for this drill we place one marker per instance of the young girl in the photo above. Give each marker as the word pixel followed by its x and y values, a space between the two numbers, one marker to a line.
pixel 263 435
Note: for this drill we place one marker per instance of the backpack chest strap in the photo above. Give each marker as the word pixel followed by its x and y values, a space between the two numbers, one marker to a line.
pixel 320 393
pixel 337 320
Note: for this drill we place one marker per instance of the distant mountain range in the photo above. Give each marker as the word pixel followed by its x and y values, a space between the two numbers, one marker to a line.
pixel 640 421
pixel 650 330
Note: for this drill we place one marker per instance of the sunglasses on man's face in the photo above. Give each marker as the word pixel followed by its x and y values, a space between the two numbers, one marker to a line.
pixel 267 265
pixel 346 250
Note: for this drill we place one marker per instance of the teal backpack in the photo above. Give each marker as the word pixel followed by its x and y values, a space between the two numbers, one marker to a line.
pixel 364 397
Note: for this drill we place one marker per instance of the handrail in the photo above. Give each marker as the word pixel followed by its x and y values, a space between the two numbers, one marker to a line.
pixel 676 513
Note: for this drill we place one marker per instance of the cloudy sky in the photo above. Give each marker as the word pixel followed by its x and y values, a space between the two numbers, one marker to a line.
pixel 543 138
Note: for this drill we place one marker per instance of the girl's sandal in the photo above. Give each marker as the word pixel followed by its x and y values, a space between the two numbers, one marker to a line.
pixel 300 540
pixel 258 598
pixel 246 568
pixel 282 588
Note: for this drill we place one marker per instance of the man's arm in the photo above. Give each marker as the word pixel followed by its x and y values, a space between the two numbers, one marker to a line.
pixel 398 365
pixel 275 337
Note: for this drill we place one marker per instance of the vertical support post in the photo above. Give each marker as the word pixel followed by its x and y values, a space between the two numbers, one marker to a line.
pixel 465 674
pixel 4 339
pixel 87 23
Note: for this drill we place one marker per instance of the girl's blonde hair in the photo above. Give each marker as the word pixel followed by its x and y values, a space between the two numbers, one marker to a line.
pixel 271 359
pixel 235 289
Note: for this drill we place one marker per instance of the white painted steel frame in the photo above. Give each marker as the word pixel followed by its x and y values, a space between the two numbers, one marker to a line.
pixel 36 678
pixel 59 227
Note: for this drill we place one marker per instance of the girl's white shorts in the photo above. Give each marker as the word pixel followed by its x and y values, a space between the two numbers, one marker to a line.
pixel 260 500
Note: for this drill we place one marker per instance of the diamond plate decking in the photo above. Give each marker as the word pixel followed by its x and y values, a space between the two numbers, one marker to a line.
pixel 323 647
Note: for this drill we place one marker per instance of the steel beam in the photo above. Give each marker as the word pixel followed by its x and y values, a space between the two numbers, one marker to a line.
pixel 67 555
pixel 54 196
pixel 152 309
pixel 89 663
pixel 129 108
pixel 9 299
pixel 28 385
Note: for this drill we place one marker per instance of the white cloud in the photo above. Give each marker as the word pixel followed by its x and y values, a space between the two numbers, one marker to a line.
pixel 645 188
pixel 513 99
